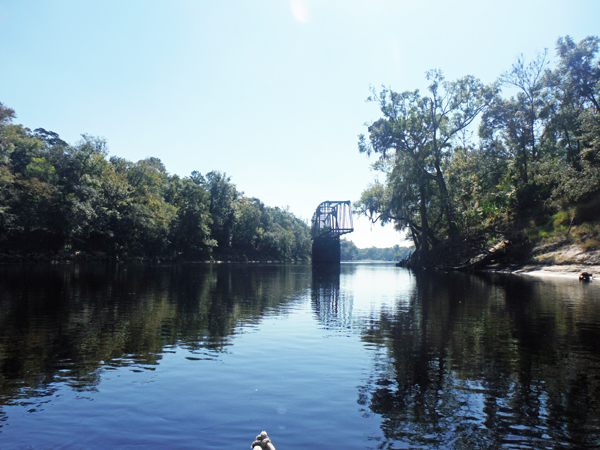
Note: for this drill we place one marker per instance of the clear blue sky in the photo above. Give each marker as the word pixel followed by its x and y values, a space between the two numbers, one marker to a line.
pixel 272 92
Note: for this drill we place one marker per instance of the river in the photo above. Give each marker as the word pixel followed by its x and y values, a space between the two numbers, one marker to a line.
pixel 364 356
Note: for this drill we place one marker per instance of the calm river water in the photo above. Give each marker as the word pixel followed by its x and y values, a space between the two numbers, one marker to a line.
pixel 198 356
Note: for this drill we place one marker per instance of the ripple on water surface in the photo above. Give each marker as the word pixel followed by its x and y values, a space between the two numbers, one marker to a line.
pixel 363 356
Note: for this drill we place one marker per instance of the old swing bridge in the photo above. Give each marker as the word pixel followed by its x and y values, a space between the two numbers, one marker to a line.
pixel 329 222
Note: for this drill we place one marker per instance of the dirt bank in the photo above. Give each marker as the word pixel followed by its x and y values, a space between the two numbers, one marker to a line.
pixel 561 259
pixel 567 270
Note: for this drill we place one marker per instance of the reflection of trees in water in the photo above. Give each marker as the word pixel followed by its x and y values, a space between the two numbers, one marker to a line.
pixel 475 363
pixel 332 307
pixel 69 323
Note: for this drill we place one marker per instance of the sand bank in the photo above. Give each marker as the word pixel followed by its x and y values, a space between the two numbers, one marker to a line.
pixel 560 270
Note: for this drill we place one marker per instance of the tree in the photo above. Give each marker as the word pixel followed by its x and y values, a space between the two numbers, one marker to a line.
pixel 576 123
pixel 222 200
pixel 579 71
pixel 348 250
pixel 190 232
pixel 520 124
pixel 414 140
pixel 6 173
pixel 149 218
pixel 248 233
pixel 28 195
pixel 55 196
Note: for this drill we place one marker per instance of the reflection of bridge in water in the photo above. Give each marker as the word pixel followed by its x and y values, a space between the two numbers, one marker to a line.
pixel 332 306
pixel 329 222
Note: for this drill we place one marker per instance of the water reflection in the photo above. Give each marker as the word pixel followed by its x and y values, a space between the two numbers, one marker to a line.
pixel 333 305
pixel 325 294
pixel 68 324
pixel 441 360
pixel 489 362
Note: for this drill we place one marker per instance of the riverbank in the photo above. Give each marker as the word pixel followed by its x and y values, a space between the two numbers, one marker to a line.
pixel 67 257
pixel 561 259
pixel 567 270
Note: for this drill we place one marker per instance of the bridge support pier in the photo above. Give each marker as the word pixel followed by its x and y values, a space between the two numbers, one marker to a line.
pixel 329 222
pixel 326 250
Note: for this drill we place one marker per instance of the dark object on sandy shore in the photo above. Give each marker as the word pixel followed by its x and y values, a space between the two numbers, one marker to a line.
pixel 585 276
pixel 262 442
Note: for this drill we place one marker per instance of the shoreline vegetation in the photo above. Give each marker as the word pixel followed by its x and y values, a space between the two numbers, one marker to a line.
pixel 63 202
pixel 566 260
pixel 350 252
pixel 481 180
pixel 476 180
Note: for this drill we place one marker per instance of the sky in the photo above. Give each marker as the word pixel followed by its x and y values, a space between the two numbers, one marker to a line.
pixel 271 92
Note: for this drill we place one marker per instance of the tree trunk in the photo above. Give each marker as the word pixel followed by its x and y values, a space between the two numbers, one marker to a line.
pixel 452 230
pixel 424 256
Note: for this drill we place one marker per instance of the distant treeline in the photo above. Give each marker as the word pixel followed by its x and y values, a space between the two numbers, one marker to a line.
pixel 350 252
pixel 57 198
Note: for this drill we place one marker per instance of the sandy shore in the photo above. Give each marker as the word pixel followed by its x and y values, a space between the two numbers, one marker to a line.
pixel 560 270
pixel 562 259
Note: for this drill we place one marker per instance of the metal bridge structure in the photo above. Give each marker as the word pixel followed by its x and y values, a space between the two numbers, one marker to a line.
pixel 330 221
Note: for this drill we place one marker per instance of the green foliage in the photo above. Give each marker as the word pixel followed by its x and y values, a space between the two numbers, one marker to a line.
pixel 562 219
pixel 190 233
pixel 350 252
pixel 55 196
pixel 534 168
pixel 414 140
pixel 223 196
pixel 285 237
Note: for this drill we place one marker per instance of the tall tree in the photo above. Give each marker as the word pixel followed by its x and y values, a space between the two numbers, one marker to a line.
pixel 222 207
pixel 576 122
pixel 190 231
pixel 6 174
pixel 520 124
pixel 414 139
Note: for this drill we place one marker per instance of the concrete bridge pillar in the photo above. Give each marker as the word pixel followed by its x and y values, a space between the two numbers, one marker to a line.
pixel 326 250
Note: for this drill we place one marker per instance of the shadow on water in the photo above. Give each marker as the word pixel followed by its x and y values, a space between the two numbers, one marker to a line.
pixel 325 293
pixel 67 324
pixel 488 362
pixel 333 307
pixel 452 360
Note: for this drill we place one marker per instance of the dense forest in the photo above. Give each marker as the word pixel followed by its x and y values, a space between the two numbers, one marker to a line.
pixel 475 175
pixel 61 201
pixel 350 252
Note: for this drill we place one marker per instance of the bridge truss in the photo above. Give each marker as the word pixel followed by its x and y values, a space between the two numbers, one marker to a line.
pixel 332 219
